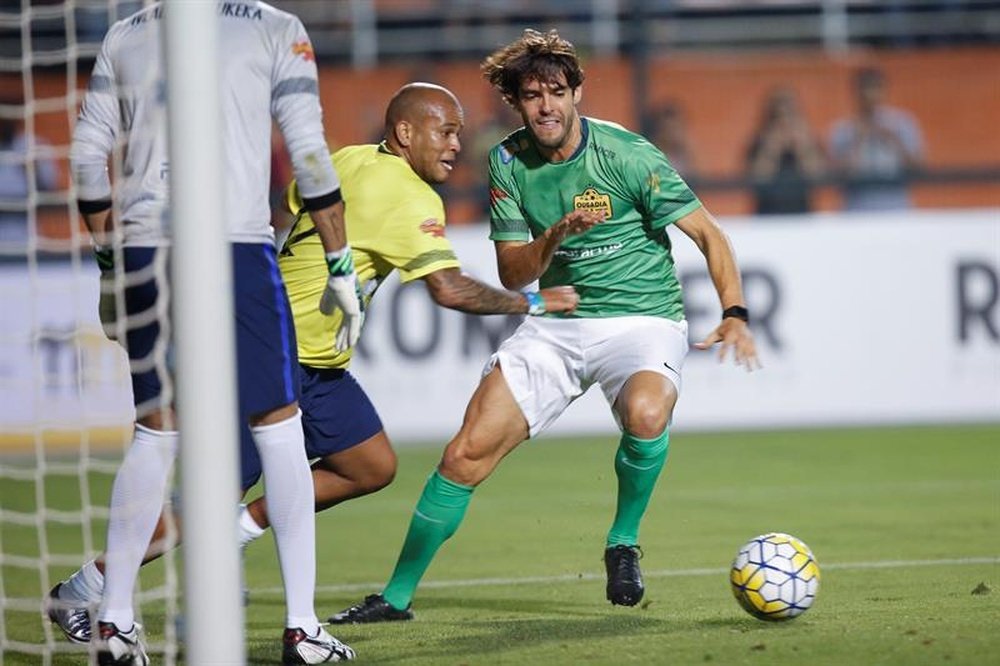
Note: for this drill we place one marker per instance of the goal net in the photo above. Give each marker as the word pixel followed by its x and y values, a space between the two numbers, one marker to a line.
pixel 65 397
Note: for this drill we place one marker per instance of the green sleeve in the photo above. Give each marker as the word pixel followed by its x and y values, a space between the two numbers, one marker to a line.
pixel 661 193
pixel 507 222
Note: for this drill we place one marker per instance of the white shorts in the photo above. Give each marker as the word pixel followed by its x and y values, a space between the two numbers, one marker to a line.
pixel 549 363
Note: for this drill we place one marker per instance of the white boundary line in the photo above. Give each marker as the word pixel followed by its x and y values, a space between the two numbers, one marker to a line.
pixel 664 573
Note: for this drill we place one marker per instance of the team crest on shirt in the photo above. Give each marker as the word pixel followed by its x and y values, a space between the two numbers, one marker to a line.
pixel 433 227
pixel 593 200
pixel 654 182
pixel 305 49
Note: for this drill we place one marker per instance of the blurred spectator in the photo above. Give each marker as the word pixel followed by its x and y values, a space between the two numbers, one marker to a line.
pixel 667 129
pixel 15 186
pixel 500 121
pixel 784 158
pixel 876 150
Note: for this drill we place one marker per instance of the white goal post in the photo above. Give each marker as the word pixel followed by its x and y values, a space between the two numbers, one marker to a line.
pixel 205 368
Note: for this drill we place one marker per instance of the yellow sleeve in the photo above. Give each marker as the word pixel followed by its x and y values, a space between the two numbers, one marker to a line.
pixel 415 242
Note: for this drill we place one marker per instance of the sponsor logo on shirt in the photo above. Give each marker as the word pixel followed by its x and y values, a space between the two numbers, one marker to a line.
pixel 496 194
pixel 593 200
pixel 607 153
pixel 574 254
pixel 433 227
pixel 240 10
pixel 305 49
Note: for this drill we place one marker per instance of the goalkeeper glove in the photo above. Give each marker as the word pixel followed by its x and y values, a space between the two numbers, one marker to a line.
pixel 343 291
pixel 107 305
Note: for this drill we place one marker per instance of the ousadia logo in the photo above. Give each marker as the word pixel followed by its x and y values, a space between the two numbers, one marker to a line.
pixel 593 200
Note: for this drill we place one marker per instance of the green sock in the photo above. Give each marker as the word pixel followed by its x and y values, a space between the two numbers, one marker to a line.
pixel 438 514
pixel 637 464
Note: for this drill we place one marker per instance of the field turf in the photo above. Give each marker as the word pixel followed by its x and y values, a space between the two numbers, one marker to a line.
pixel 905 524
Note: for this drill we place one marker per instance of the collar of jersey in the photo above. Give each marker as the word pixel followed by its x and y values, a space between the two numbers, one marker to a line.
pixel 584 136
pixel 384 149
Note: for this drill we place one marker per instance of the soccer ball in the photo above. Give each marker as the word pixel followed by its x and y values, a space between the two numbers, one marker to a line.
pixel 775 577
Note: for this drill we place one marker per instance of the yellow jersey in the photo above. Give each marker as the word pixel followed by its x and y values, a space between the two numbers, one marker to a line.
pixel 395 221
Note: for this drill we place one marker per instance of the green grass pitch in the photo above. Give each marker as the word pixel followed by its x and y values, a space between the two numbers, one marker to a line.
pixel 905 524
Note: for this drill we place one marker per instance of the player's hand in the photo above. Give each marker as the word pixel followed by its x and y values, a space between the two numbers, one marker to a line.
pixel 735 335
pixel 107 304
pixel 342 293
pixel 576 222
pixel 559 299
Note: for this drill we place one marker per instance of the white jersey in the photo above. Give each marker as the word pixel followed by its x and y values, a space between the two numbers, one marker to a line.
pixel 267 68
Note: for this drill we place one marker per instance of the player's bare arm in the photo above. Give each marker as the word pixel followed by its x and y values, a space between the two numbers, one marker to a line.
pixel 452 289
pixel 732 332
pixel 522 263
pixel 329 223
pixel 100 226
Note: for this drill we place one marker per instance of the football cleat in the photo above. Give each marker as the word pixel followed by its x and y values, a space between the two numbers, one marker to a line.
pixel 624 577
pixel 71 616
pixel 120 648
pixel 300 648
pixel 373 609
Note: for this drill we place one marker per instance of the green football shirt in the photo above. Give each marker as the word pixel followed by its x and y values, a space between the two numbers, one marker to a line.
pixel 622 266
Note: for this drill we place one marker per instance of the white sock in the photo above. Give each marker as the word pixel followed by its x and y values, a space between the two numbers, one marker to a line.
pixel 86 584
pixel 248 527
pixel 136 502
pixel 288 485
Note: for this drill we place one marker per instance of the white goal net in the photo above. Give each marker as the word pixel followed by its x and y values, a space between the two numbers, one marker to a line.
pixel 65 402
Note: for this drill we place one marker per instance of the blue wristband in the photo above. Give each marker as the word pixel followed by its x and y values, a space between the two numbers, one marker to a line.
pixel 536 304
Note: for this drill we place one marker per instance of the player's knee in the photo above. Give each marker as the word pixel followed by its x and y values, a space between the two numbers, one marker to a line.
pixel 464 462
pixel 378 475
pixel 645 417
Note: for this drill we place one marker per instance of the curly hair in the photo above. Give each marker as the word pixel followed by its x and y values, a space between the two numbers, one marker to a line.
pixel 535 56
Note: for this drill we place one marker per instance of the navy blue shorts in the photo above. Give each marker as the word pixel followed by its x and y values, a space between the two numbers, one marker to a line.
pixel 146 276
pixel 336 415
pixel 265 335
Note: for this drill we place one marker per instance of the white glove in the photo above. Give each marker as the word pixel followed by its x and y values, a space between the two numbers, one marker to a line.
pixel 107 305
pixel 343 292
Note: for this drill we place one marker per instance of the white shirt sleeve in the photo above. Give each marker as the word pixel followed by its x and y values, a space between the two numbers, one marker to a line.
pixel 295 105
pixel 96 130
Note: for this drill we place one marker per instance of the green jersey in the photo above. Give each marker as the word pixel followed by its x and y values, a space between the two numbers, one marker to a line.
pixel 622 266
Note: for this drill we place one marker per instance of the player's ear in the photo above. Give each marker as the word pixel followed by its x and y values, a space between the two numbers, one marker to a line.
pixel 404 133
pixel 577 94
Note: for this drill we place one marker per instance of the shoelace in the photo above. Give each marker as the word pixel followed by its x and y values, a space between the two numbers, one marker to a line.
pixel 79 622
pixel 627 561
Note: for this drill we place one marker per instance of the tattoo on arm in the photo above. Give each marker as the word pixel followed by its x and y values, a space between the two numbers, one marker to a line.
pixel 451 289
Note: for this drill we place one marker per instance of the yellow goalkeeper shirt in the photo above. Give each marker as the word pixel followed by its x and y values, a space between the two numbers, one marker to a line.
pixel 394 221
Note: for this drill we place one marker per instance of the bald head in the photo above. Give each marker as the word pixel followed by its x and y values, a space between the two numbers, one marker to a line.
pixel 415 101
pixel 422 125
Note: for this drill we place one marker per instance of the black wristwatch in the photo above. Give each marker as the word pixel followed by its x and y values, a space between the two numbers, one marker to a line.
pixel 737 311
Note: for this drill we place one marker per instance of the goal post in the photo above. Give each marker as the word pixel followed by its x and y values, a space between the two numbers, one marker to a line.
pixel 205 352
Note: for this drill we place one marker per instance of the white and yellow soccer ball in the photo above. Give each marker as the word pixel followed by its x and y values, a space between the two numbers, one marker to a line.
pixel 775 577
